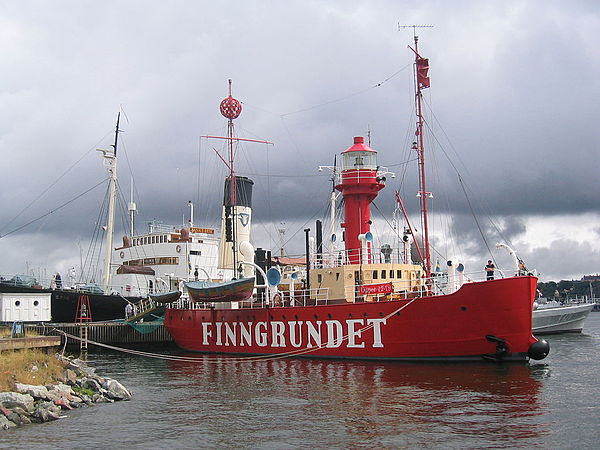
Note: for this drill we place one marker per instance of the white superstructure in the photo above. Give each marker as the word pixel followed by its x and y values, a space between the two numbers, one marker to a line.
pixel 161 258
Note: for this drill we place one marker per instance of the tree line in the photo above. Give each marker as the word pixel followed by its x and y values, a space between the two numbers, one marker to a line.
pixel 570 288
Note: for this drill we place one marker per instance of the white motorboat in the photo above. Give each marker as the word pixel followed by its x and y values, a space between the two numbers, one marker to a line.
pixel 550 317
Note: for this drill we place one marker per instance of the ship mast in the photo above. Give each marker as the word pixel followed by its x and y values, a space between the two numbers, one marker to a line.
pixel 422 82
pixel 111 164
pixel 231 109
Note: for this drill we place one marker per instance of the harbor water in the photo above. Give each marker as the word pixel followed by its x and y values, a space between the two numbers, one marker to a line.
pixel 297 403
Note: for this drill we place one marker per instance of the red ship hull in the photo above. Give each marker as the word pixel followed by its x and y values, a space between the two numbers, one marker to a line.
pixel 484 320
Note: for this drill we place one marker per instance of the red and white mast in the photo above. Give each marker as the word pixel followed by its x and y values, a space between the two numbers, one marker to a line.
pixel 237 207
pixel 422 82
pixel 231 108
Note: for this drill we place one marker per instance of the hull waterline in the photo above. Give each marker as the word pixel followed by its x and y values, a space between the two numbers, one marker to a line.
pixel 486 320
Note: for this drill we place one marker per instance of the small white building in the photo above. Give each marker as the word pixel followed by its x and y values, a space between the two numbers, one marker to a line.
pixel 26 307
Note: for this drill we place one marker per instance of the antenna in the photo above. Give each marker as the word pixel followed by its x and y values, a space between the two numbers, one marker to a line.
pixel 414 27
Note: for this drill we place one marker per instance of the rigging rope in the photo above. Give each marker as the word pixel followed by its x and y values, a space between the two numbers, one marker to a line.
pixel 462 183
pixel 474 217
pixel 339 99
pixel 53 211
pixel 48 188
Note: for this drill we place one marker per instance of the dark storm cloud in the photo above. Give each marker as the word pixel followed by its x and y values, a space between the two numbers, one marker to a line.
pixel 513 93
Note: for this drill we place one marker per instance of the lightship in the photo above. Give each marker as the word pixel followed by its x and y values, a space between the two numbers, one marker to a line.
pixel 353 307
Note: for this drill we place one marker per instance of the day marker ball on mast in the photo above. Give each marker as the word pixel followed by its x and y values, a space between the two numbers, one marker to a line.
pixel 231 108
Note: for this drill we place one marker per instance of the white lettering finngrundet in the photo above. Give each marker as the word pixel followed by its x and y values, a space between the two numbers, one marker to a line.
pixel 350 333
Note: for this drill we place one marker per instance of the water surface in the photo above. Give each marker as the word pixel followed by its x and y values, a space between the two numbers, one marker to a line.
pixel 298 403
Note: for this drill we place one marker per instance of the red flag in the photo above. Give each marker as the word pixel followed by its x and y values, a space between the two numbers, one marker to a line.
pixel 422 70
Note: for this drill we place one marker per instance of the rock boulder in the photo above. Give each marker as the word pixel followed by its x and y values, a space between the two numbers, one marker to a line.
pixel 116 390
pixel 16 400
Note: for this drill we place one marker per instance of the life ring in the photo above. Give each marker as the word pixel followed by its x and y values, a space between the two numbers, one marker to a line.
pixel 178 248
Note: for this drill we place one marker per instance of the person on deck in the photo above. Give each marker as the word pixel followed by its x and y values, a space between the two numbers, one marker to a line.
pixel 128 310
pixel 489 269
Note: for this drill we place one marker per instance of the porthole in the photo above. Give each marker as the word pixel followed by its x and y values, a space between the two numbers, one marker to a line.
pixel 18 303
pixel 36 303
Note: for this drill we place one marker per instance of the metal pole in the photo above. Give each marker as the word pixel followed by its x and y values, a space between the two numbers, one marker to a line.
pixel 421 154
pixel 112 169
pixel 307 248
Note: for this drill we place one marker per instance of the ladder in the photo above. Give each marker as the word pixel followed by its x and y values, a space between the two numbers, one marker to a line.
pixel 83 315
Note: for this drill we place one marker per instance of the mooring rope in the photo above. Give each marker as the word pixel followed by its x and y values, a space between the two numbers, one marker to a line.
pixel 270 357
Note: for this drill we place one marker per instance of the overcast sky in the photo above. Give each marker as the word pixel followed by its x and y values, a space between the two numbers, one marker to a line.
pixel 512 110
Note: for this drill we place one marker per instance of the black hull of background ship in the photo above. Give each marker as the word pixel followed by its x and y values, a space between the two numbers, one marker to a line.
pixel 64 301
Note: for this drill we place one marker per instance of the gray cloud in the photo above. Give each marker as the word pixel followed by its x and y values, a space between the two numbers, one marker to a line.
pixel 513 93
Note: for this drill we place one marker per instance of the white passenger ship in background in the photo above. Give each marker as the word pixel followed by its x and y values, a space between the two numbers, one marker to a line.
pixel 163 258
pixel 165 255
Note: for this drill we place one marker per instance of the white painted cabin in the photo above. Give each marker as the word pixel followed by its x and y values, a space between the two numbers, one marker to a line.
pixel 25 306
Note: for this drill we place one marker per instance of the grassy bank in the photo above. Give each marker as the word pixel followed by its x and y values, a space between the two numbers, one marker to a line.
pixel 28 367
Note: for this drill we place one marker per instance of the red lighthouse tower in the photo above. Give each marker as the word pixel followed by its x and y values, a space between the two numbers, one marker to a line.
pixel 359 186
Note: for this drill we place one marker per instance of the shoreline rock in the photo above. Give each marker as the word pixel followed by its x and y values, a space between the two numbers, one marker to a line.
pixel 37 404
